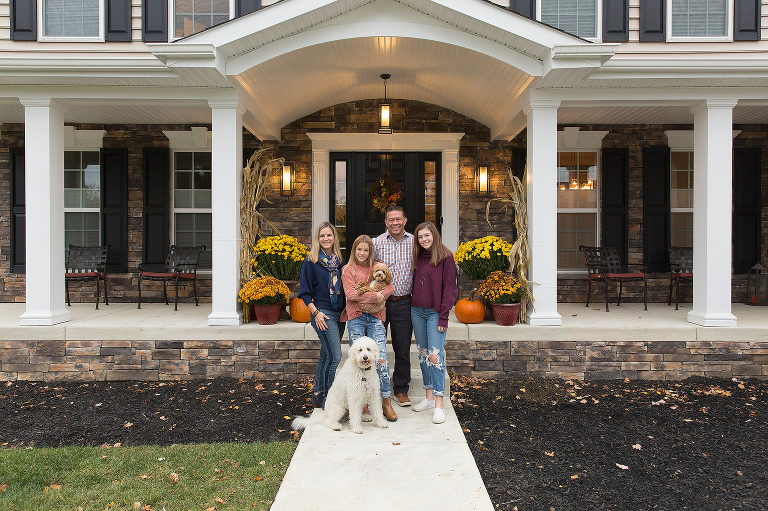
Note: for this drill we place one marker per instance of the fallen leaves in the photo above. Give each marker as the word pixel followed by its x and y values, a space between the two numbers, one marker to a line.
pixel 622 467
pixel 637 447
pixel 173 477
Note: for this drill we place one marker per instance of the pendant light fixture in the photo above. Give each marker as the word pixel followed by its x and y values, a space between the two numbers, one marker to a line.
pixel 385 110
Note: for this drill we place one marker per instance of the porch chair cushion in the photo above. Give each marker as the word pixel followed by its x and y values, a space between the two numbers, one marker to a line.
pixel 680 268
pixel 603 264
pixel 84 264
pixel 180 265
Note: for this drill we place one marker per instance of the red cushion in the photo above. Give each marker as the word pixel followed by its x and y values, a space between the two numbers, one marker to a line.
pixel 186 275
pixel 158 275
pixel 595 276
pixel 89 274
pixel 625 275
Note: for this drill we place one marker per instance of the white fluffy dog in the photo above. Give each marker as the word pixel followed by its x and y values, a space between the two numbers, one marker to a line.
pixel 356 384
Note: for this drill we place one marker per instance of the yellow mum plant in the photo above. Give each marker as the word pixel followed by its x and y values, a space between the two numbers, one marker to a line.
pixel 279 257
pixel 501 287
pixel 264 291
pixel 478 258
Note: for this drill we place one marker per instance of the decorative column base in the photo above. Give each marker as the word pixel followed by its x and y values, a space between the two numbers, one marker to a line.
pixel 44 318
pixel 703 319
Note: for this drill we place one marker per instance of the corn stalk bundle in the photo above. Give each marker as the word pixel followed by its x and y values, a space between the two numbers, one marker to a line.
pixel 256 185
pixel 519 256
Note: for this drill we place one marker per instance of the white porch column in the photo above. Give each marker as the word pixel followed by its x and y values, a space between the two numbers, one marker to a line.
pixel 226 186
pixel 542 210
pixel 712 200
pixel 321 186
pixel 450 199
pixel 44 182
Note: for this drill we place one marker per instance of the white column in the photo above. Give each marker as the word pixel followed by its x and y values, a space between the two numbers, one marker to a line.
pixel 542 210
pixel 44 182
pixel 712 200
pixel 321 186
pixel 226 186
pixel 450 199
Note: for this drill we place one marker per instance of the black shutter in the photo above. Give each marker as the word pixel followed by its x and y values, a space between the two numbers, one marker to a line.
pixel 114 207
pixel 243 7
pixel 615 21
pixel 525 8
pixel 18 221
pixel 24 20
pixel 615 201
pixel 746 208
pixel 653 20
pixel 157 201
pixel 154 21
pixel 656 212
pixel 118 22
pixel 746 20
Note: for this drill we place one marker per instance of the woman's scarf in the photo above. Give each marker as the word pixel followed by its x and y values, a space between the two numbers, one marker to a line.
pixel 331 263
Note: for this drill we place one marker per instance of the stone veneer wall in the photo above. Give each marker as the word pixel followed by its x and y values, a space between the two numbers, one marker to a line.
pixel 292 215
pixel 60 360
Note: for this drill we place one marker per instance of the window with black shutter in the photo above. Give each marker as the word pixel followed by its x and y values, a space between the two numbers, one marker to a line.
pixel 114 207
pixel 656 208
pixel 614 217
pixel 18 220
pixel 746 208
pixel 157 196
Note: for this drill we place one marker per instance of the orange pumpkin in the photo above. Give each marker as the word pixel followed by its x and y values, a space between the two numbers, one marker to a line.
pixel 469 310
pixel 299 312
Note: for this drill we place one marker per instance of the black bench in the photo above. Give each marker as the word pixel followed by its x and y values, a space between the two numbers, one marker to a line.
pixel 603 264
pixel 180 266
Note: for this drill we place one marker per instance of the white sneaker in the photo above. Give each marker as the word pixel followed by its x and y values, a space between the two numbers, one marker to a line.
pixel 439 416
pixel 425 404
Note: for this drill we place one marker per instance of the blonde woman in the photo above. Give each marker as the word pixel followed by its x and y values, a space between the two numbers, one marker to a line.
pixel 322 291
pixel 362 323
pixel 434 294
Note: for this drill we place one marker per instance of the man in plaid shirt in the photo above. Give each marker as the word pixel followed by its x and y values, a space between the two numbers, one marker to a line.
pixel 395 249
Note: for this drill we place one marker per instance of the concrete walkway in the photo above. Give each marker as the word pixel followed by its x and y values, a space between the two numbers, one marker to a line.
pixel 411 465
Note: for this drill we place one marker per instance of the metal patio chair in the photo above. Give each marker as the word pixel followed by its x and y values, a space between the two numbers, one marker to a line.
pixel 680 268
pixel 180 266
pixel 603 264
pixel 87 264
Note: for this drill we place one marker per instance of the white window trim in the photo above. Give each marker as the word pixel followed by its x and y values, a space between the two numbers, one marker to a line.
pixel 571 138
pixel 172 18
pixel 58 39
pixel 198 140
pixel 693 39
pixel 598 38
pixel 84 140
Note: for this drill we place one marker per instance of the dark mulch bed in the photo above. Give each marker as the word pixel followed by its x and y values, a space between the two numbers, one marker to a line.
pixel 701 444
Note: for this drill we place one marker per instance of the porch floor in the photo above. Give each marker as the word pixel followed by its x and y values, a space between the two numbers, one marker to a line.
pixel 160 322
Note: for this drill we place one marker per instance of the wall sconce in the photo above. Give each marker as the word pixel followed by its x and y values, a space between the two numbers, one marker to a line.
pixel 287 180
pixel 483 186
pixel 385 119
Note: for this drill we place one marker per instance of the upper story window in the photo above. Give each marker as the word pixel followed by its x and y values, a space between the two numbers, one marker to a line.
pixel 577 17
pixel 72 19
pixel 191 16
pixel 696 19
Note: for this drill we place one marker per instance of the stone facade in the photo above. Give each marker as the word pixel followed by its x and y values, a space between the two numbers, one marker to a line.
pixel 292 215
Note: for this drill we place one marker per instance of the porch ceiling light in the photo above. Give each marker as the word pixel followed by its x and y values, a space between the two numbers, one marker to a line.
pixel 287 179
pixel 385 126
pixel 483 186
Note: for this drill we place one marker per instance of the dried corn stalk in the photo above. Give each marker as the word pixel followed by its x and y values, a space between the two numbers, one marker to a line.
pixel 519 256
pixel 256 185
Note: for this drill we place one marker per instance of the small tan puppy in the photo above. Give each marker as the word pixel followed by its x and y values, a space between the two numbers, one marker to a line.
pixel 380 279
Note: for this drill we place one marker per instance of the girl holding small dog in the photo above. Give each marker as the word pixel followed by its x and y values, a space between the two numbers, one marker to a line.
pixel 322 291
pixel 434 294
pixel 366 312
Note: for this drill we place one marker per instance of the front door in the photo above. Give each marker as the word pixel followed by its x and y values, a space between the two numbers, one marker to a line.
pixel 356 175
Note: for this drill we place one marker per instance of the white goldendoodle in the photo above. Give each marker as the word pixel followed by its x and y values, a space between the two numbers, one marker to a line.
pixel 356 384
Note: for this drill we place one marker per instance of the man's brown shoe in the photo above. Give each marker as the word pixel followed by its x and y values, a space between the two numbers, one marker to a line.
pixel 386 407
pixel 402 399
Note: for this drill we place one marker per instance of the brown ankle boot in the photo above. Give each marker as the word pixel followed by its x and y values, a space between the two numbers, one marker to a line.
pixel 389 412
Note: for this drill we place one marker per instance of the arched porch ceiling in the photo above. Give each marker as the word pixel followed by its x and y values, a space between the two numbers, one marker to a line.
pixel 299 56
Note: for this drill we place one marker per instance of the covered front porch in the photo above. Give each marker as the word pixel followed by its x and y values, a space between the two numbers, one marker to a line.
pixel 120 342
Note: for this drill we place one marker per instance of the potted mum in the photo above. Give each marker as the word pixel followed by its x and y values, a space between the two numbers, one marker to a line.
pixel 503 291
pixel 279 257
pixel 479 257
pixel 266 295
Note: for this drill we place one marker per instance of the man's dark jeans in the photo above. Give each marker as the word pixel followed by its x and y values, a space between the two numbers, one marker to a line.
pixel 399 322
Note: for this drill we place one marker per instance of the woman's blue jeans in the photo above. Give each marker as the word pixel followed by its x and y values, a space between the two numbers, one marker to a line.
pixel 330 350
pixel 430 341
pixel 371 326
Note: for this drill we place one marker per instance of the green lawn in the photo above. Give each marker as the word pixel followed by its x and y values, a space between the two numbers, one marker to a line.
pixel 179 477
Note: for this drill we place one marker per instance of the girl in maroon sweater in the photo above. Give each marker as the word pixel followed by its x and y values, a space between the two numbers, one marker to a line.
pixel 434 294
